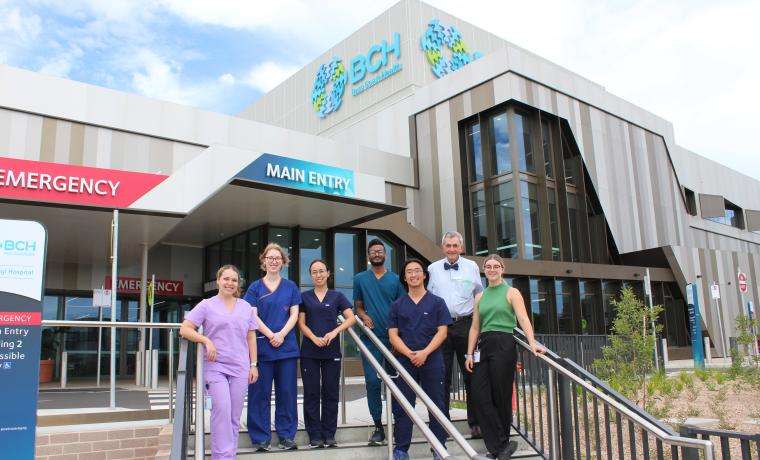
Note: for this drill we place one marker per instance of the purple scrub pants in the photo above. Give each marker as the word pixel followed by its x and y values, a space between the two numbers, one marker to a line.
pixel 227 398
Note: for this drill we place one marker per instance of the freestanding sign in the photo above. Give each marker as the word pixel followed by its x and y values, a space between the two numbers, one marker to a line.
pixel 695 324
pixel 22 269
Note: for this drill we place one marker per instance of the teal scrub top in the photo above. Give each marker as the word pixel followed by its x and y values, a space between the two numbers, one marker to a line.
pixel 378 295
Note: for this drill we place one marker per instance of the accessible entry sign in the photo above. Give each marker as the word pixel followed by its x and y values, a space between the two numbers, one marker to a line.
pixel 22 269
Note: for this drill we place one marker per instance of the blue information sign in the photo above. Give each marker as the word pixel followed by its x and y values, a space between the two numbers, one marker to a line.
pixel 695 325
pixel 304 175
pixel 22 269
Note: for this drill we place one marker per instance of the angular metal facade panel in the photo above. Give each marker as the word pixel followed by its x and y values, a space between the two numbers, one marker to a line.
pixel 712 205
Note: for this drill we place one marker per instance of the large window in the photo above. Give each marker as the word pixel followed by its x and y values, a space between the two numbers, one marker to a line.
pixel 574 223
pixel 530 220
pixel 542 305
pixel 524 145
pixel 501 157
pixel 553 223
pixel 546 144
pixel 474 151
pixel 504 214
pixel 567 322
pixel 592 314
pixel 479 224
pixel 311 246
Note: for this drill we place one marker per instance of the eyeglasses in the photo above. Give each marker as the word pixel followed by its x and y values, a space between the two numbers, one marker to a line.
pixel 376 252
pixel 273 258
pixel 492 267
pixel 318 272
pixel 413 271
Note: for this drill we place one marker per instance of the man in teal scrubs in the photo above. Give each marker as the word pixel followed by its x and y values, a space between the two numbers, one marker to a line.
pixel 374 291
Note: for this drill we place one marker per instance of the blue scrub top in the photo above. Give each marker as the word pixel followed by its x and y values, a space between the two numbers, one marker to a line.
pixel 418 323
pixel 274 311
pixel 377 295
pixel 321 318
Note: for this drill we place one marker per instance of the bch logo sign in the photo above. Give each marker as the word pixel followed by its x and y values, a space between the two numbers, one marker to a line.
pixel 432 43
pixel 365 71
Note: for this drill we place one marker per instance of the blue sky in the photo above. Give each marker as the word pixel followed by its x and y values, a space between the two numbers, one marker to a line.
pixel 693 63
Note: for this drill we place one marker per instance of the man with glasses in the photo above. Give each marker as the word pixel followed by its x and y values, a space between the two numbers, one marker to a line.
pixel 457 281
pixel 374 291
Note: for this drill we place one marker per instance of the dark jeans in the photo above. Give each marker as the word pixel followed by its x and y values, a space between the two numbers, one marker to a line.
pixel 492 388
pixel 456 344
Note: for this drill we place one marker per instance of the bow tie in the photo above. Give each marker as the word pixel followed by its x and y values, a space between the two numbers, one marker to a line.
pixel 448 266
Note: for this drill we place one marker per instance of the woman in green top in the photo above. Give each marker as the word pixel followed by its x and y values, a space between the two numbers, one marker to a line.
pixel 497 310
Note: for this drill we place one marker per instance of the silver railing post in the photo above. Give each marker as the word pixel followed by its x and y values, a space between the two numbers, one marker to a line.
pixel 342 380
pixel 154 368
pixel 553 425
pixel 114 280
pixel 200 430
pixel 389 415
pixel 170 372
pixel 64 369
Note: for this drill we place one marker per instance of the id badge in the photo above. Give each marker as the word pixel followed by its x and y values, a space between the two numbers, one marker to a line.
pixel 476 356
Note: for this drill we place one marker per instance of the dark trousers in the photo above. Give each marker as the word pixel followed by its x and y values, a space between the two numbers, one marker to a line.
pixel 492 388
pixel 320 397
pixel 430 377
pixel 283 373
pixel 456 345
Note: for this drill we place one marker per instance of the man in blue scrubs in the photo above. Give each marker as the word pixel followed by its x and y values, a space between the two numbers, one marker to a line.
pixel 417 327
pixel 374 291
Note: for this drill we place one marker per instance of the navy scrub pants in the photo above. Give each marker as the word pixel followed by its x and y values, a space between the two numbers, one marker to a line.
pixel 320 397
pixel 430 377
pixel 283 372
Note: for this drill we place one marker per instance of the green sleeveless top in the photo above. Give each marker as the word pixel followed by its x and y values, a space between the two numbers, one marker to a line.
pixel 496 313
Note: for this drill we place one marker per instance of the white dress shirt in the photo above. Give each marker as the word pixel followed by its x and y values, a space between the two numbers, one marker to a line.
pixel 457 287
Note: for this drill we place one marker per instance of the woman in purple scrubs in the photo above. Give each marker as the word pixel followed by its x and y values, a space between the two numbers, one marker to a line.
pixel 320 355
pixel 276 300
pixel 230 365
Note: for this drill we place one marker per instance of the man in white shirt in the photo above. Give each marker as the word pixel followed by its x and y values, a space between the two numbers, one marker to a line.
pixel 456 280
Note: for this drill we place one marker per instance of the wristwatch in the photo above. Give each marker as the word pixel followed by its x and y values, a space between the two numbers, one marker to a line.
pixel 254 364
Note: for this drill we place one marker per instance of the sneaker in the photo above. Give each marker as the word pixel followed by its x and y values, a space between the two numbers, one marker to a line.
pixel 261 446
pixel 378 436
pixel 287 444
pixel 316 444
pixel 506 454
pixel 399 454
pixel 475 432
pixel 331 442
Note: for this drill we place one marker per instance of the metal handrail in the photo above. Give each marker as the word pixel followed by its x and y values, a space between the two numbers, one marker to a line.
pixel 420 393
pixel 108 324
pixel 439 448
pixel 550 359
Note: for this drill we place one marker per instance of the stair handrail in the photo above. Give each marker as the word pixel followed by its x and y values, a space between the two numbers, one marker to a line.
pixel 408 407
pixel 180 426
pixel 419 392
pixel 637 415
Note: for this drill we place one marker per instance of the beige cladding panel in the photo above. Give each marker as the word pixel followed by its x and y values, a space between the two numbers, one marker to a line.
pixel 753 220
pixel 712 205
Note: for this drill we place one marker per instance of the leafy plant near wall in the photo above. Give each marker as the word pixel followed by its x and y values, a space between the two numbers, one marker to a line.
pixel 629 358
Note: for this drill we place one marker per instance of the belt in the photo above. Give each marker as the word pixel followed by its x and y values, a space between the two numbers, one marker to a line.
pixel 461 318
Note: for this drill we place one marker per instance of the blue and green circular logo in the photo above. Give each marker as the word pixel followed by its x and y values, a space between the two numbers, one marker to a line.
pixel 433 41
pixel 333 72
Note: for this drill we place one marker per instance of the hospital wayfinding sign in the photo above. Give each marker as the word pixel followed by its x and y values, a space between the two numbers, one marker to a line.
pixel 22 268
pixel 299 174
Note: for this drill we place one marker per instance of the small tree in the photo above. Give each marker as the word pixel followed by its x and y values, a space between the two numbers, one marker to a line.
pixel 749 332
pixel 629 358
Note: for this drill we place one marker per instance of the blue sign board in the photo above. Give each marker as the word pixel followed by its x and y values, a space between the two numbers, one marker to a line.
pixel 299 174
pixel 695 325
pixel 22 269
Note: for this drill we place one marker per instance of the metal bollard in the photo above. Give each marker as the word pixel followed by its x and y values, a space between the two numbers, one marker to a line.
pixel 64 368
pixel 154 370
pixel 138 368
pixel 708 354
pixel 146 368
pixel 665 357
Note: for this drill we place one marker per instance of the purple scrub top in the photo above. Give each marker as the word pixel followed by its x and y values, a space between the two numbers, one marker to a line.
pixel 228 330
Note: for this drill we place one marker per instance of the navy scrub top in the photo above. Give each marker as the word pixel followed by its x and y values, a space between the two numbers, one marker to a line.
pixel 274 311
pixel 321 318
pixel 418 323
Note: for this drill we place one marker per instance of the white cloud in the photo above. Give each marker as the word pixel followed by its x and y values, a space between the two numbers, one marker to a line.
pixel 227 79
pixel 24 28
pixel 267 75
pixel 61 64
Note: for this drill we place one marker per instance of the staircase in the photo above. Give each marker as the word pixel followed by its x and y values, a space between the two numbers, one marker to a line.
pixel 352 445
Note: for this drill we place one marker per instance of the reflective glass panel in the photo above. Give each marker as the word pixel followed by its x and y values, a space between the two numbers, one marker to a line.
pixel 531 220
pixel 501 158
pixel 311 246
pixel 474 152
pixel 504 214
pixel 479 226
pixel 525 155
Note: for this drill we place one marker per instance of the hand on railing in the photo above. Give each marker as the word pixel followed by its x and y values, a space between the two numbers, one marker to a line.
pixel 537 348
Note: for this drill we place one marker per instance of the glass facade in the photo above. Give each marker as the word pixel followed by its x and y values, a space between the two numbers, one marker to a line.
pixel 531 220
pixel 474 151
pixel 504 215
pixel 501 157
pixel 525 157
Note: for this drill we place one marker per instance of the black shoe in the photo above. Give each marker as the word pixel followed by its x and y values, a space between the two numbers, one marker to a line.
pixel 506 454
pixel 331 442
pixel 261 446
pixel 475 432
pixel 287 444
pixel 378 436
pixel 316 444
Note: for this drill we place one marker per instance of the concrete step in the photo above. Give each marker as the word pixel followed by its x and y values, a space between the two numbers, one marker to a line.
pixel 352 451
pixel 345 434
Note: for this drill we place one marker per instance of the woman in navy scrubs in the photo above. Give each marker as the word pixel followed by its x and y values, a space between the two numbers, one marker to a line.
pixel 277 301
pixel 417 327
pixel 320 355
